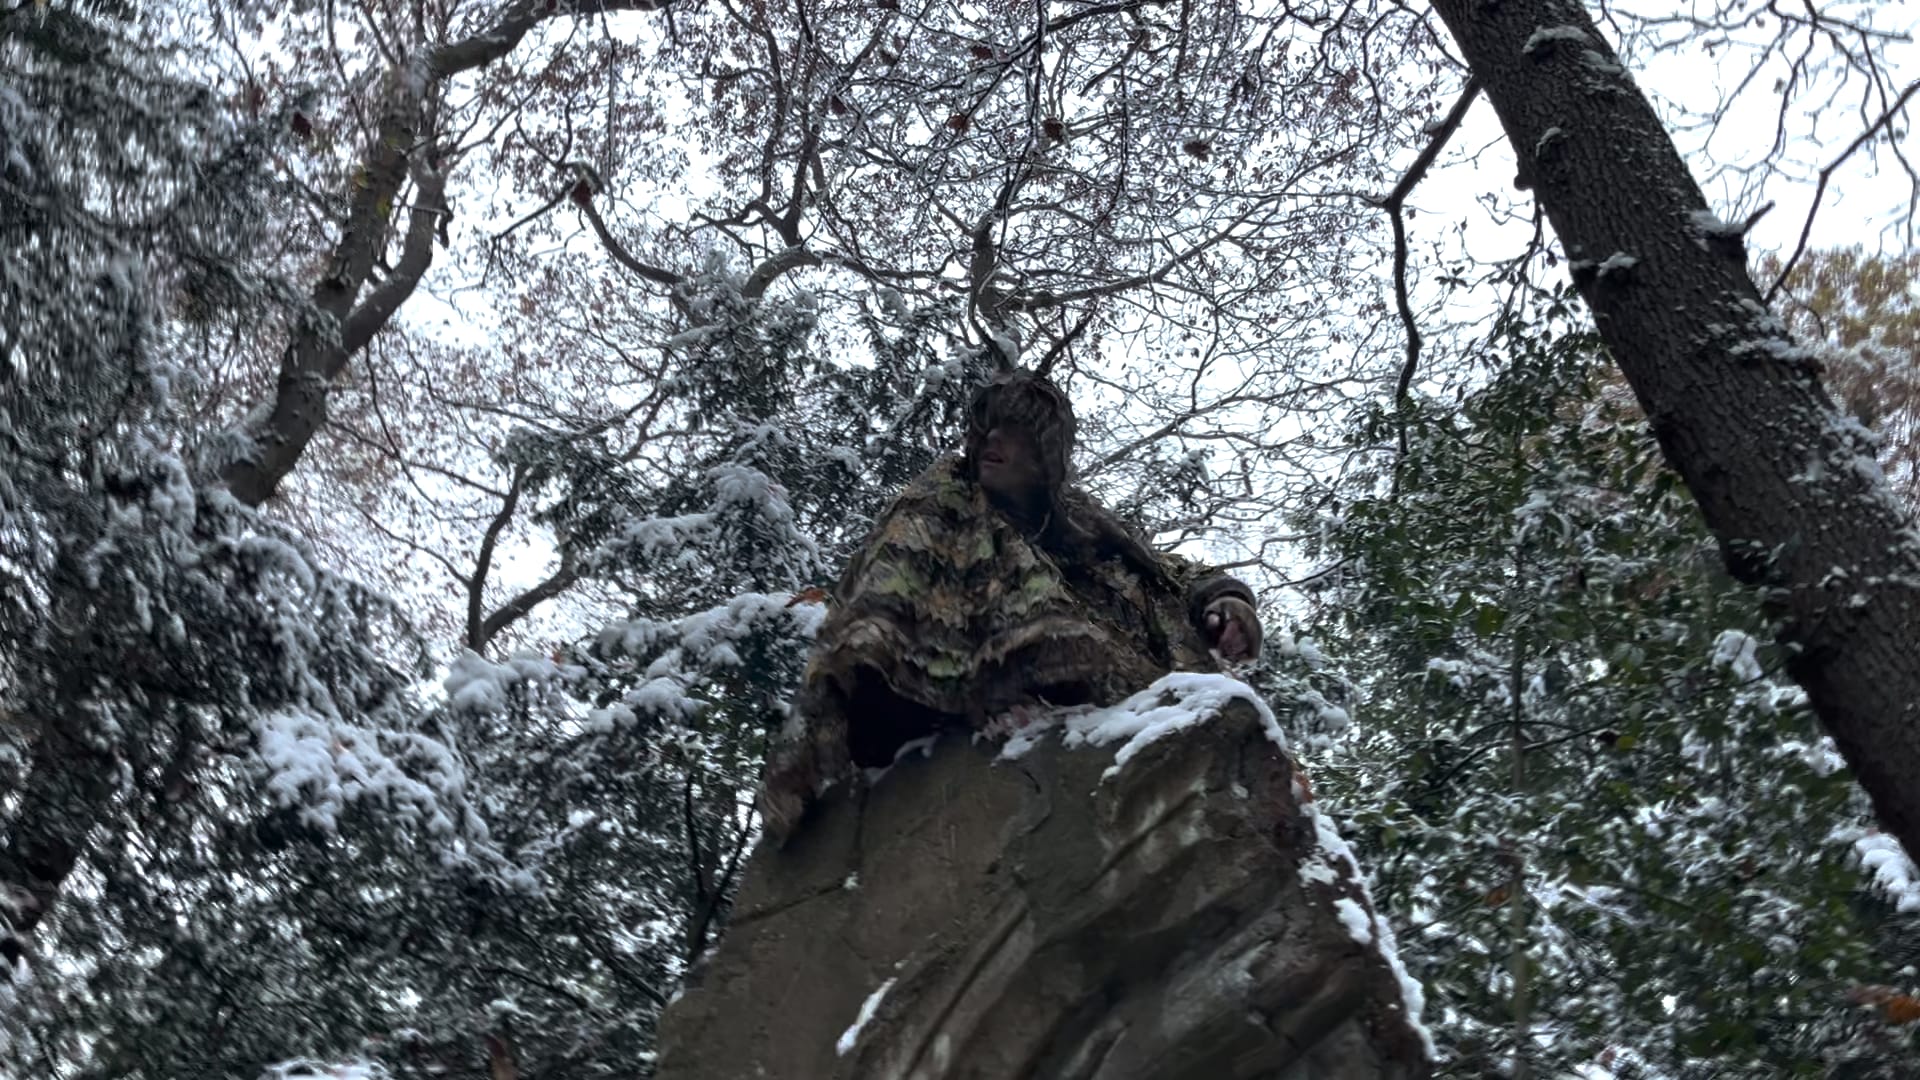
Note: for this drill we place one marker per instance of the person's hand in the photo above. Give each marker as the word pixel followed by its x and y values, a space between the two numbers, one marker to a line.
pixel 1232 629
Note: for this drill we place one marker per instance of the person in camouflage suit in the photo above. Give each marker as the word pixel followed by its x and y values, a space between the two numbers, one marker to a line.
pixel 993 584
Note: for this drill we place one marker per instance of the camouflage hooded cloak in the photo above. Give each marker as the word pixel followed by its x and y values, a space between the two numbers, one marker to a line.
pixel 952 612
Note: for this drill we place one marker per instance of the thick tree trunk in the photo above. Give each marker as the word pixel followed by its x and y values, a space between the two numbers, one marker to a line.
pixel 1785 480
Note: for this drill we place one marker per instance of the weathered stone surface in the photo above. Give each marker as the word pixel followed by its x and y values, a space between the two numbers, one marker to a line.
pixel 1030 920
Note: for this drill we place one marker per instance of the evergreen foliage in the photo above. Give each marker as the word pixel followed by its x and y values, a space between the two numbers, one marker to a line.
pixel 1599 813
pixel 253 820
pixel 185 691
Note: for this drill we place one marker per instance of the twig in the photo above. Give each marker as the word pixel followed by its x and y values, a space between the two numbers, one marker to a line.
pixel 1826 174
pixel 1395 204
pixel 1045 367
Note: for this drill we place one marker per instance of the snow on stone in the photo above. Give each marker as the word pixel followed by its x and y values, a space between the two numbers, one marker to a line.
pixel 1335 858
pixel 1185 699
pixel 1316 870
pixel 305 1069
pixel 851 1036
pixel 1413 996
pixel 1893 872
pixel 922 746
pixel 1173 703
pixel 1024 738
pixel 1359 924
pixel 1548 36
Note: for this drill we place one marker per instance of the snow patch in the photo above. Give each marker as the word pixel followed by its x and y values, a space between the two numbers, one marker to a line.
pixel 1173 703
pixel 1892 871
pixel 322 765
pixel 851 1036
pixel 1316 870
pixel 1708 223
pixel 1335 859
pixel 1820 756
pixel 1737 651
pixel 1598 61
pixel 923 746
pixel 1546 37
pixel 1359 924
pixel 305 1069
pixel 1617 263
pixel 476 684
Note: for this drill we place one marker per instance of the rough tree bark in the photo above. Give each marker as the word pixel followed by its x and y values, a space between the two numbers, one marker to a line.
pixel 976 919
pixel 1785 479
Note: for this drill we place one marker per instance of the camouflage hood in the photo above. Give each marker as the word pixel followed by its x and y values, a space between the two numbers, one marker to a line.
pixel 949 615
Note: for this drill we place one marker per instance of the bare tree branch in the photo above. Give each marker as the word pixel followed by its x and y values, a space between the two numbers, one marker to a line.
pixel 380 305
pixel 332 330
pixel 619 250
pixel 522 605
pixel 1395 205
pixel 769 271
pixel 477 639
pixel 1826 174
pixel 515 21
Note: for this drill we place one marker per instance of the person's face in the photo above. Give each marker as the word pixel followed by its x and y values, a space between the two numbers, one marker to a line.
pixel 1009 465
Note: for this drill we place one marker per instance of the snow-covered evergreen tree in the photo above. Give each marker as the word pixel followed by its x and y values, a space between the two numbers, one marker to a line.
pixel 183 691
pixel 1608 828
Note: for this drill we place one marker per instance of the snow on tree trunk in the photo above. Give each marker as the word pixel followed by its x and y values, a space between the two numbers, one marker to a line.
pixel 1786 481
pixel 1175 909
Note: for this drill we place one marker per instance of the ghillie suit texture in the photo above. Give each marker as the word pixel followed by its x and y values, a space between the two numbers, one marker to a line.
pixel 954 612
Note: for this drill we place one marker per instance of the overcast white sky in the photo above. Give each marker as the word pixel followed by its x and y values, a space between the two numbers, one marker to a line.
pixel 1868 199
pixel 1867 203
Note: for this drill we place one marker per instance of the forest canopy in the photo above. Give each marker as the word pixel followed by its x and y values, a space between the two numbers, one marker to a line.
pixel 427 428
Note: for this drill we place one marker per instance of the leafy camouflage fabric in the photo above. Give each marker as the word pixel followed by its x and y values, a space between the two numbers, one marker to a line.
pixel 949 616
